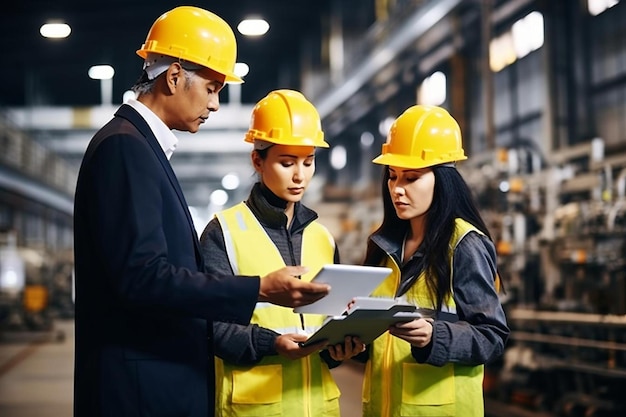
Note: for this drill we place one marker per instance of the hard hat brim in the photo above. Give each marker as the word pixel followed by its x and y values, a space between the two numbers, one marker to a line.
pixel 289 141
pixel 229 77
pixel 410 162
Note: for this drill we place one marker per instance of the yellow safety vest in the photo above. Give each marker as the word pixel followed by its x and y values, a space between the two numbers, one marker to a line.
pixel 395 385
pixel 276 386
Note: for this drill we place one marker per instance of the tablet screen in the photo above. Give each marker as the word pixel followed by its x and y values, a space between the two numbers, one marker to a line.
pixel 346 282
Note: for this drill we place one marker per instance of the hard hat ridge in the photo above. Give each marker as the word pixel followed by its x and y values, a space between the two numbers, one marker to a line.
pixel 286 117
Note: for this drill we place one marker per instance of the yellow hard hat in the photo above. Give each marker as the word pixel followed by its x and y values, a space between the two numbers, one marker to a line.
pixel 286 117
pixel 195 35
pixel 421 137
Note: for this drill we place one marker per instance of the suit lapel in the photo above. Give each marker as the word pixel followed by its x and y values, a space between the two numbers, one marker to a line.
pixel 135 118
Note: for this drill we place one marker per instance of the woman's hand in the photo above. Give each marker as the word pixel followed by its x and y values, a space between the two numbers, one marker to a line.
pixel 352 346
pixel 418 332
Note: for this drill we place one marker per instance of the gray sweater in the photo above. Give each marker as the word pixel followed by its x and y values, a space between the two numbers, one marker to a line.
pixel 247 345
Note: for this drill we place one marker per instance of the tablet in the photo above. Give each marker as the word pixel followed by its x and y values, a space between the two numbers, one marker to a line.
pixel 366 324
pixel 346 282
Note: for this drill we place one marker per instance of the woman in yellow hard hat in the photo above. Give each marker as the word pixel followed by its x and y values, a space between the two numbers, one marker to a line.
pixel 144 304
pixel 444 261
pixel 263 370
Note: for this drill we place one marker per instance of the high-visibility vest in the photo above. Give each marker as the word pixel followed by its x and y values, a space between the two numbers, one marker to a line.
pixel 276 386
pixel 395 385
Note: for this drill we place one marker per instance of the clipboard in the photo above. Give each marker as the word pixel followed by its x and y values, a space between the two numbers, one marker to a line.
pixel 366 323
pixel 347 282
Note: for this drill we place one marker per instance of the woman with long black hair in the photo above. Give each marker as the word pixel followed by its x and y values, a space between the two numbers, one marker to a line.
pixel 444 261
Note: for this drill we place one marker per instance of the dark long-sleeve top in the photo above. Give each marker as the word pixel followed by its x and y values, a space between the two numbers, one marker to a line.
pixel 247 345
pixel 479 332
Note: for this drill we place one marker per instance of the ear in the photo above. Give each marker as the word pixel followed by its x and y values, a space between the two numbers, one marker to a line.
pixel 174 76
pixel 257 162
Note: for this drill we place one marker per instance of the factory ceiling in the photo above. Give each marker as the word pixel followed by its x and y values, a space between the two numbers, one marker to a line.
pixel 52 75
pixel 54 72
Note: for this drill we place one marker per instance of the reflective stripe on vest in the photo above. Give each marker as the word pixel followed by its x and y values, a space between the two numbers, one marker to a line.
pixel 276 385
pixel 395 385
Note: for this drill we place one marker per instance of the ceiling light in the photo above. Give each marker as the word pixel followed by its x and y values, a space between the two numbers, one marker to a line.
pixel 230 181
pixel 101 72
pixel 219 197
pixel 253 27
pixel 338 157
pixel 432 91
pixel 596 7
pixel 55 30
pixel 367 139
pixel 385 125
pixel 128 95
pixel 241 69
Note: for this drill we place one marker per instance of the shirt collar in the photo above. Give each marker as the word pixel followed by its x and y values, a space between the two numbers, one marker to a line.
pixel 270 209
pixel 391 241
pixel 164 135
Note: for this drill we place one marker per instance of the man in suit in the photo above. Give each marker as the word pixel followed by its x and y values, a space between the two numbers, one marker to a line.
pixel 144 304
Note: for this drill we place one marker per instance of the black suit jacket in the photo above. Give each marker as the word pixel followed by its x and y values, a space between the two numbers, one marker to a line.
pixel 143 305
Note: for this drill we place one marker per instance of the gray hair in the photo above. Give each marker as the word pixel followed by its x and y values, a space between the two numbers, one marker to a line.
pixel 144 85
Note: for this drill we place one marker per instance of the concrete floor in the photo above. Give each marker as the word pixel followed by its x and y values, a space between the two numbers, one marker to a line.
pixel 36 375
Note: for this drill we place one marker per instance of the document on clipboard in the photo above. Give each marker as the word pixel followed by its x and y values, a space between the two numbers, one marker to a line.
pixel 367 319
pixel 347 282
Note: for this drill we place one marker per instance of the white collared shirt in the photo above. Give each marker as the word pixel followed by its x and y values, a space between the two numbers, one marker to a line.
pixel 164 135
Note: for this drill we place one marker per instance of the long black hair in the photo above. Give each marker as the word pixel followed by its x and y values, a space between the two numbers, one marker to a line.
pixel 452 199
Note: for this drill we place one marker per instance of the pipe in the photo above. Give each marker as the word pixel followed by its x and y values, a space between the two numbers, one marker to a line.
pixel 415 26
pixel 620 184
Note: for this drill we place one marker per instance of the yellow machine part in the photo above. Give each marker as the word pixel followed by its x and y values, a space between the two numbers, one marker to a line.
pixel 35 298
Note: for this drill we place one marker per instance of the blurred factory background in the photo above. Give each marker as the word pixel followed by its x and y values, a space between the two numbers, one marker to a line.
pixel 539 89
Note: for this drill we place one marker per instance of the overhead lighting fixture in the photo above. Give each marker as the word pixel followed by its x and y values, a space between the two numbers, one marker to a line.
pixel 432 91
pixel 128 95
pixel 230 181
pixel 241 69
pixel 385 125
pixel 367 139
pixel 253 27
pixel 596 7
pixel 55 30
pixel 338 157
pixel 101 72
pixel 219 197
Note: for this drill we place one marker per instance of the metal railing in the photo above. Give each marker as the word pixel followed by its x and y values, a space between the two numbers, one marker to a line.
pixel 19 152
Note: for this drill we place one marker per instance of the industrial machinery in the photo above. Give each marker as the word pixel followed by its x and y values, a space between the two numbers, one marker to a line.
pixel 559 223
pixel 34 289
pixel 12 280
pixel 560 227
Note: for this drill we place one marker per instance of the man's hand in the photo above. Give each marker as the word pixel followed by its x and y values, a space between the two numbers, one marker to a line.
pixel 284 289
pixel 287 345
